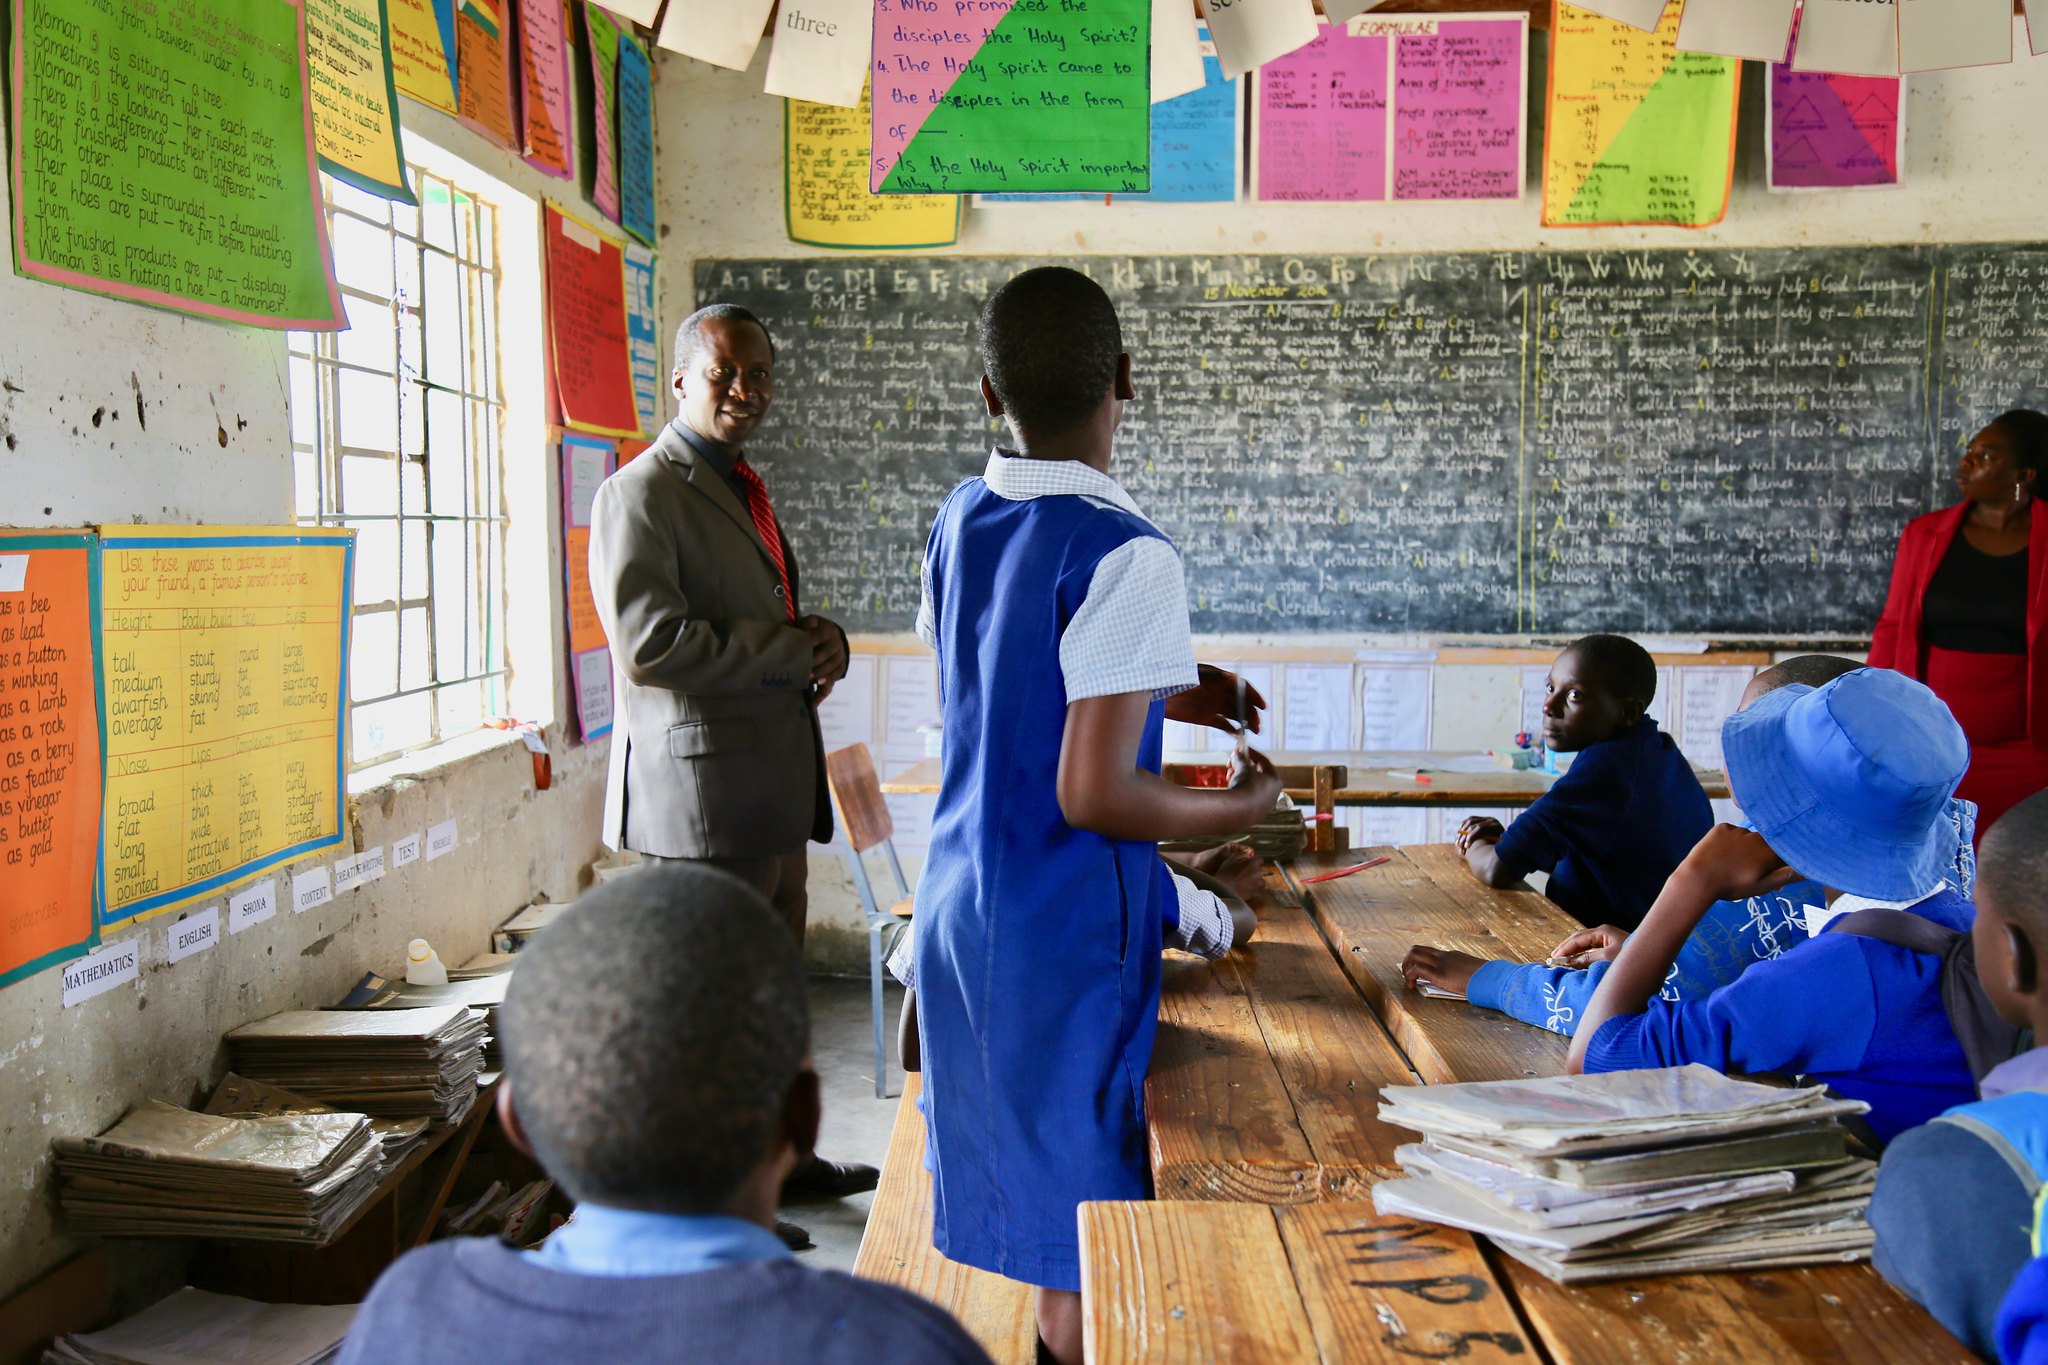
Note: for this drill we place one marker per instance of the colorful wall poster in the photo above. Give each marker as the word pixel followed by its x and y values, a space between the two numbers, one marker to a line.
pixel 636 139
pixel 355 97
pixel 721 32
pixel 546 133
pixel 1013 97
pixel 601 134
pixel 1848 37
pixel 217 213
pixel 826 199
pixel 49 749
pixel 586 287
pixel 643 337
pixel 1407 107
pixel 586 463
pixel 224 676
pixel 1197 145
pixel 1832 132
pixel 821 51
pixel 1639 132
pixel 423 51
pixel 483 55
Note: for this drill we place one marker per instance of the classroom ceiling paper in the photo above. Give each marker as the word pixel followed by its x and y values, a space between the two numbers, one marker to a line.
pixel 1758 29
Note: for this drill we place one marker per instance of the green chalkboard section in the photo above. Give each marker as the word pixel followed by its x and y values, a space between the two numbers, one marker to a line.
pixel 1674 442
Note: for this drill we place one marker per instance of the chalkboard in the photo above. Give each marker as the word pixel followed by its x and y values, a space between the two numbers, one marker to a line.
pixel 1674 442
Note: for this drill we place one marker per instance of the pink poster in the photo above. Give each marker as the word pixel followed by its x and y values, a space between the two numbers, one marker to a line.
pixel 1832 132
pixel 544 63
pixel 1458 102
pixel 918 53
pixel 1319 129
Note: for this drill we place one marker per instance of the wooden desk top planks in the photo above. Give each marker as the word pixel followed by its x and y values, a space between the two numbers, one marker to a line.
pixel 1426 895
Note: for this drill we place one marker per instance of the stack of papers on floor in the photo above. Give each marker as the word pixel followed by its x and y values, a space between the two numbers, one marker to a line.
pixel 482 993
pixel 1635 1172
pixel 394 1064
pixel 193 1327
pixel 241 1098
pixel 513 934
pixel 167 1172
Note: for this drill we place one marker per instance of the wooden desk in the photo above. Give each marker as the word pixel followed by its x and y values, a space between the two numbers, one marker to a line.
pixel 1369 782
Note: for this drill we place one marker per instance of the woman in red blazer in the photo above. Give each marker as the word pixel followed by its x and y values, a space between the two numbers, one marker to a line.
pixel 1968 602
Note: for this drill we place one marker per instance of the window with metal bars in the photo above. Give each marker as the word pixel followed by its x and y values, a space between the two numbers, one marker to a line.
pixel 398 430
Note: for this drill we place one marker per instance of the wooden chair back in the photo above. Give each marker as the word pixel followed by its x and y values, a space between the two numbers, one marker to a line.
pixel 857 794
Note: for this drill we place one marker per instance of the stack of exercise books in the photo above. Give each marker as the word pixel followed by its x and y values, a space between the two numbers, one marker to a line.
pixel 241 1098
pixel 1635 1173
pixel 482 993
pixel 193 1327
pixel 389 1063
pixel 163 1171
pixel 514 933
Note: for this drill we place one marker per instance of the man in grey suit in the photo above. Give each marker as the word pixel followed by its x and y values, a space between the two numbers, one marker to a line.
pixel 716 755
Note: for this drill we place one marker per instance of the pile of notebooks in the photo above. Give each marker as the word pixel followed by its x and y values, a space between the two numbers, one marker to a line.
pixel 388 1063
pixel 163 1171
pixel 1635 1173
pixel 482 992
pixel 241 1098
pixel 193 1327
pixel 513 934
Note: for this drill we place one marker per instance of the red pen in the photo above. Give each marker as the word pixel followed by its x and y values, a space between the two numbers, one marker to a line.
pixel 1346 871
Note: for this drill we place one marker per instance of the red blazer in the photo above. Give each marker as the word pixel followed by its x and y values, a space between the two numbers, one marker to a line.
pixel 1896 642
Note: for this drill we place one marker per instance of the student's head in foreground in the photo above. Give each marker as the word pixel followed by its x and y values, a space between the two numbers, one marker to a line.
pixel 1805 670
pixel 2011 933
pixel 656 1047
pixel 1849 783
pixel 1052 355
pixel 1599 687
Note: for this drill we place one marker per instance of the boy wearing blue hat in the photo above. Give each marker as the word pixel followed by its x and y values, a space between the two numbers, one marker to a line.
pixel 1846 785
pixel 1955 1198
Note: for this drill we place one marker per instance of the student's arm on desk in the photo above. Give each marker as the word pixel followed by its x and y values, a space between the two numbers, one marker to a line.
pixel 1102 789
pixel 656 639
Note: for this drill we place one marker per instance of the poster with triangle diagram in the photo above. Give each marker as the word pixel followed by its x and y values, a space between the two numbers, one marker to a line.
pixel 1831 132
pixel 986 96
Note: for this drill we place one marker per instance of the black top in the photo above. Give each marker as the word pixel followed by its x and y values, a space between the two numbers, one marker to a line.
pixel 1976 602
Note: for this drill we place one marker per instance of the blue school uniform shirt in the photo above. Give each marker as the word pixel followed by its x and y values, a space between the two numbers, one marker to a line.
pixel 1037 949
pixel 1612 828
pixel 1954 1208
pixel 1860 1016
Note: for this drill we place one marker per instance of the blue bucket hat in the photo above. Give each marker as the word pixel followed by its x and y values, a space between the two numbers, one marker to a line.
pixel 1849 783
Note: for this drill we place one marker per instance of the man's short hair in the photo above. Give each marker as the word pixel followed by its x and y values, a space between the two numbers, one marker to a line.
pixel 1810 670
pixel 1049 345
pixel 2012 867
pixel 690 336
pixel 651 1037
pixel 1620 665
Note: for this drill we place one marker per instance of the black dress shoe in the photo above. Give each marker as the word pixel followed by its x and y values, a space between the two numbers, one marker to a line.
pixel 818 1178
pixel 793 1237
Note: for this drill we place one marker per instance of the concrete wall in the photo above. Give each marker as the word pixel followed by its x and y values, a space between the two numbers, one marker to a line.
pixel 113 413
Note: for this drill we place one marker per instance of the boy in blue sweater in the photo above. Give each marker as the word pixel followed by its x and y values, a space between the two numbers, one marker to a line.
pixel 1611 829
pixel 1846 785
pixel 657 1049
pixel 1955 1198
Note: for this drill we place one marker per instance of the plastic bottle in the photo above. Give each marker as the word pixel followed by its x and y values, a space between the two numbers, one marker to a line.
pixel 423 965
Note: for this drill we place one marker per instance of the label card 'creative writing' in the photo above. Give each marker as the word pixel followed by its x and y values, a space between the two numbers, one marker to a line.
pixel 826 199
pixel 1758 29
pixel 721 32
pixel 195 933
pixel 101 970
pixel 546 129
pixel 1936 35
pixel 821 50
pixel 252 905
pixel 1834 132
pixel 310 888
pixel 1019 95
pixel 361 868
pixel 440 839
pixel 1251 33
pixel 1852 37
pixel 355 98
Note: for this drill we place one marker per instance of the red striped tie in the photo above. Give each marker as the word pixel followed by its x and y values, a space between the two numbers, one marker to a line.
pixel 763 513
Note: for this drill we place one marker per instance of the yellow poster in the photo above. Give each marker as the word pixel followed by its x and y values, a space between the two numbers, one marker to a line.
pixel 224 680
pixel 355 96
pixel 422 51
pixel 826 198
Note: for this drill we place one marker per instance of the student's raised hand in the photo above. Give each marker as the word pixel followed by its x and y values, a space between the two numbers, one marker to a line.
pixel 1236 865
pixel 1443 968
pixel 1254 778
pixel 1478 829
pixel 1588 946
pixel 1212 702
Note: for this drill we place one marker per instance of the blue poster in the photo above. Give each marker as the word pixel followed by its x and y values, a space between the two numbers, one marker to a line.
pixel 643 337
pixel 636 139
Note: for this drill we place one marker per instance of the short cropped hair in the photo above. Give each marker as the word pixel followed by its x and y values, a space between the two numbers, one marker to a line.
pixel 651 1037
pixel 1810 670
pixel 1049 344
pixel 690 336
pixel 2012 867
pixel 1624 667
pixel 2028 432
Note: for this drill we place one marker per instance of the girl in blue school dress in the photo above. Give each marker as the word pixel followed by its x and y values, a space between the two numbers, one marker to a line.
pixel 1059 616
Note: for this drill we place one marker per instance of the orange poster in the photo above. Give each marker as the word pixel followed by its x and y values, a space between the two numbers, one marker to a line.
pixel 49 749
pixel 586 463
pixel 482 57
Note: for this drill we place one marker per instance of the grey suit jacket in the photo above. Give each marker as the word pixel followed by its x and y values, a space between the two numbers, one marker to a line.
pixel 715 745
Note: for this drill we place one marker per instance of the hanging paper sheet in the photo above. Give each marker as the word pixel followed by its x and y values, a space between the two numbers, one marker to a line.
pixel 49 749
pixel 721 32
pixel 1833 132
pixel 1940 35
pixel 423 51
pixel 1177 66
pixel 484 59
pixel 591 363
pixel 825 189
pixel 544 63
pixel 1639 132
pixel 643 337
pixel 355 98
pixel 1758 29
pixel 1848 37
pixel 178 170
pixel 601 133
pixel 224 672
pixel 586 463
pixel 1251 33
pixel 1035 95
pixel 636 139
pixel 2037 27
pixel 821 51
